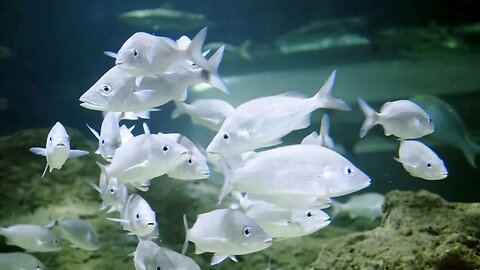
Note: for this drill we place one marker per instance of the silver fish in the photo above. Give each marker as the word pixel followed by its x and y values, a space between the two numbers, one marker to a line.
pixel 32 238
pixel 149 255
pixel 57 149
pixel 80 233
pixel 147 55
pixel 310 170
pixel 20 261
pixel 137 217
pixel 226 233
pixel 401 118
pixel 449 127
pixel 283 223
pixel 110 137
pixel 210 113
pixel 119 92
pixel 420 161
pixel 294 201
pixel 264 121
pixel 195 167
pixel 368 205
pixel 145 157
pixel 113 193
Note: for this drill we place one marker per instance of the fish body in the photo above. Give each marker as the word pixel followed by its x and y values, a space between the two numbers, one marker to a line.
pixel 145 157
pixel 402 118
pixel 284 223
pixel 149 256
pixel 310 170
pixel 147 55
pixel 137 217
pixel 80 233
pixel 32 238
pixel 449 127
pixel 210 113
pixel 368 205
pixel 195 167
pixel 294 201
pixel 226 233
pixel 421 161
pixel 264 121
pixel 20 261
pixel 110 137
pixel 165 19
pixel 117 91
pixel 57 149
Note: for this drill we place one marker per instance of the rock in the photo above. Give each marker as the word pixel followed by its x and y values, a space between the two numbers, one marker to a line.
pixel 419 230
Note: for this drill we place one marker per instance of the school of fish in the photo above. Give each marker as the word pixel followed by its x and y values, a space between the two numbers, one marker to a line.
pixel 279 191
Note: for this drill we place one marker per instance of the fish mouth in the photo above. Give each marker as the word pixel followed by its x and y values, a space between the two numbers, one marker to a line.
pixel 444 174
pixel 61 145
pixel 150 224
pixel 268 241
pixel 205 174
pixel 118 63
pixel 92 106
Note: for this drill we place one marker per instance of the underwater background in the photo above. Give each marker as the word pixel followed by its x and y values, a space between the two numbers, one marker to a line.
pixel 51 52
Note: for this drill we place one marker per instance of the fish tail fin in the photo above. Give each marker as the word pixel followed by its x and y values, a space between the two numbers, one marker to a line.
pixel 179 109
pixel 95 133
pixel 194 50
pixel 371 117
pixel 212 76
pixel 470 150
pixel 185 243
pixel 324 98
pixel 327 141
pixel 243 50
pixel 227 185
pixel 45 170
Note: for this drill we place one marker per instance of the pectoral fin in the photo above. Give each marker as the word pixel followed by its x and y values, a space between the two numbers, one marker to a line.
pixel 39 151
pixel 77 153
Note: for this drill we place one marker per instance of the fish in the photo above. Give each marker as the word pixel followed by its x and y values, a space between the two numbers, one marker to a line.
pixel 32 238
pixel 149 255
pixel 226 233
pixel 264 121
pixel 210 113
pixel 20 261
pixel 322 138
pixel 449 127
pixel 233 161
pixel 165 19
pixel 144 54
pixel 324 35
pixel 116 91
pixel 137 217
pixel 57 149
pixel 195 167
pixel 113 193
pixel 241 50
pixel 421 161
pixel 367 205
pixel 146 156
pixel 80 233
pixel 301 169
pixel 283 223
pixel 110 137
pixel 401 118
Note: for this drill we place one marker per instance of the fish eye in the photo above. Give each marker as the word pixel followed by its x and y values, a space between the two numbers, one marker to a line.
pixel 106 88
pixel 112 191
pixel 226 136
pixel 55 242
pixel 50 138
pixel 429 165
pixel 247 231
pixel 103 141
pixel 38 267
pixel 165 148
pixel 190 161
pixel 429 120
pixel 137 216
pixel 158 267
pixel 309 214
pixel 134 53
pixel 348 171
